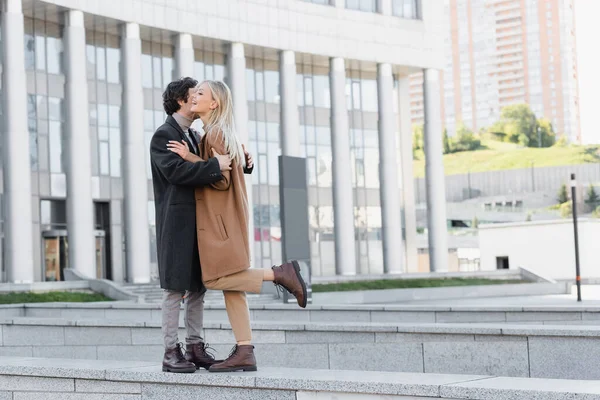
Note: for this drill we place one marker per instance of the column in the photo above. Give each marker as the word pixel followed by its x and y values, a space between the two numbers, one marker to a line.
pixel 236 73
pixel 339 3
pixel 384 7
pixel 184 56
pixel 80 207
pixel 434 173
pixel 343 205
pixel 17 170
pixel 388 176
pixel 290 139
pixel 407 192
pixel 137 235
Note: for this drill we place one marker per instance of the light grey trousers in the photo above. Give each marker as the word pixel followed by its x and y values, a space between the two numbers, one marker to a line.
pixel 193 317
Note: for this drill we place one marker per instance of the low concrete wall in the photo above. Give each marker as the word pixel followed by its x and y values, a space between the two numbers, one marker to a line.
pixel 456 292
pixel 506 274
pixel 486 349
pixel 45 379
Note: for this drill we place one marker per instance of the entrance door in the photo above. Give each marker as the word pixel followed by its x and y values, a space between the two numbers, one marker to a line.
pixel 100 238
pixel 56 252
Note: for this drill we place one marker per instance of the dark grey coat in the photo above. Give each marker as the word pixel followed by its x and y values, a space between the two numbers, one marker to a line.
pixel 174 182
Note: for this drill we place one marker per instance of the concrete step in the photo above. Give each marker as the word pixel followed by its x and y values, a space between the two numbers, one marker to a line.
pixel 50 379
pixel 271 311
pixel 555 352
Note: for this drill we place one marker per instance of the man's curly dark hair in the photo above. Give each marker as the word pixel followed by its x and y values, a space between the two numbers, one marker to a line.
pixel 175 91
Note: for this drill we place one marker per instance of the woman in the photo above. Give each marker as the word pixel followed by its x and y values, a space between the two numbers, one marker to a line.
pixel 222 223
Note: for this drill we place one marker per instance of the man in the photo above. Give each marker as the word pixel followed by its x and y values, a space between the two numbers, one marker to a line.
pixel 174 181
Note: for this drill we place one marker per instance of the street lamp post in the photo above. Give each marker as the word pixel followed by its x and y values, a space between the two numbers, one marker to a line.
pixel 576 235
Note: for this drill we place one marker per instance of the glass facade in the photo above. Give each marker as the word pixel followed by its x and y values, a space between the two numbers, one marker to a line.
pixel 314 102
pixel 45 98
pixel 209 65
pixel 157 72
pixel 262 88
pixel 361 99
pixel 362 5
pixel 105 91
pixel 43 48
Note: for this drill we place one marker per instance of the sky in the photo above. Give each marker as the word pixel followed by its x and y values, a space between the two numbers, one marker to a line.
pixel 587 34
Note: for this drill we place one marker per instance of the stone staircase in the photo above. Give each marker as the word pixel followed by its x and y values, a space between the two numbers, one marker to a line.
pixel 152 293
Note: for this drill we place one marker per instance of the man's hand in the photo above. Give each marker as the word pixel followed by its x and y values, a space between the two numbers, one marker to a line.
pixel 224 160
pixel 249 159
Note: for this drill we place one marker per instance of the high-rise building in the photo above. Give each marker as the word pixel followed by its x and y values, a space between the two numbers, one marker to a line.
pixel 326 80
pixel 502 52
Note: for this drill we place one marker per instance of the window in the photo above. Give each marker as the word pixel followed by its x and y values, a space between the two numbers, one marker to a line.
pixel 362 5
pixel 408 9
pixel 324 2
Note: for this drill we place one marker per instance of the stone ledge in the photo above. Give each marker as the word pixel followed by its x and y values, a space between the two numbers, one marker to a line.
pixel 101 375
pixel 496 329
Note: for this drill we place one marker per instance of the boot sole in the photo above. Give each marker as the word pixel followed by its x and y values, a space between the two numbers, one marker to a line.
pixel 236 369
pixel 179 370
pixel 297 269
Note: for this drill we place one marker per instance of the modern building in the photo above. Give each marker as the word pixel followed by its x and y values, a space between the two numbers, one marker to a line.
pixel 502 52
pixel 329 81
pixel 546 248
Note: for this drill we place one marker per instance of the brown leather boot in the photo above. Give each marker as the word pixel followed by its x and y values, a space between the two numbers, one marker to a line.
pixel 197 354
pixel 174 361
pixel 288 276
pixel 240 359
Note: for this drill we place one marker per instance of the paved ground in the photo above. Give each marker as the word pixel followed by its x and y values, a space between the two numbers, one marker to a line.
pixel 590 296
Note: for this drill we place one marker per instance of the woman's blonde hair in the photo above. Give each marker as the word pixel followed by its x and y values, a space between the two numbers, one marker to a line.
pixel 221 122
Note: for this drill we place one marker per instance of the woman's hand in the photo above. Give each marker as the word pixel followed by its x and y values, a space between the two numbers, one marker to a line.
pixel 181 149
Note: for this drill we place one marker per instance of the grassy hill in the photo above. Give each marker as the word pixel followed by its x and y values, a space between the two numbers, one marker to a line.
pixel 500 156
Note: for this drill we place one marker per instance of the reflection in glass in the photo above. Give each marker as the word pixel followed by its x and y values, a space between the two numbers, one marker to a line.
pixel 103 114
pixel 114 116
pixel 40 53
pixel 272 87
pixel 101 63
pixel 54 55
pixel 115 152
pixel 29 44
pixel 55 137
pixel 104 159
pixel 113 58
pixel 321 88
pixel 167 70
pixel 156 72
pixel 55 108
pixel 146 71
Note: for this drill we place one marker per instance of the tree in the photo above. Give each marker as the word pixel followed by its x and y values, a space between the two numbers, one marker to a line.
pixel 592 196
pixel 417 131
pixel 446 142
pixel 596 212
pixel 464 140
pixel 518 124
pixel 519 120
pixel 563 196
pixel 545 132
pixel 566 209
